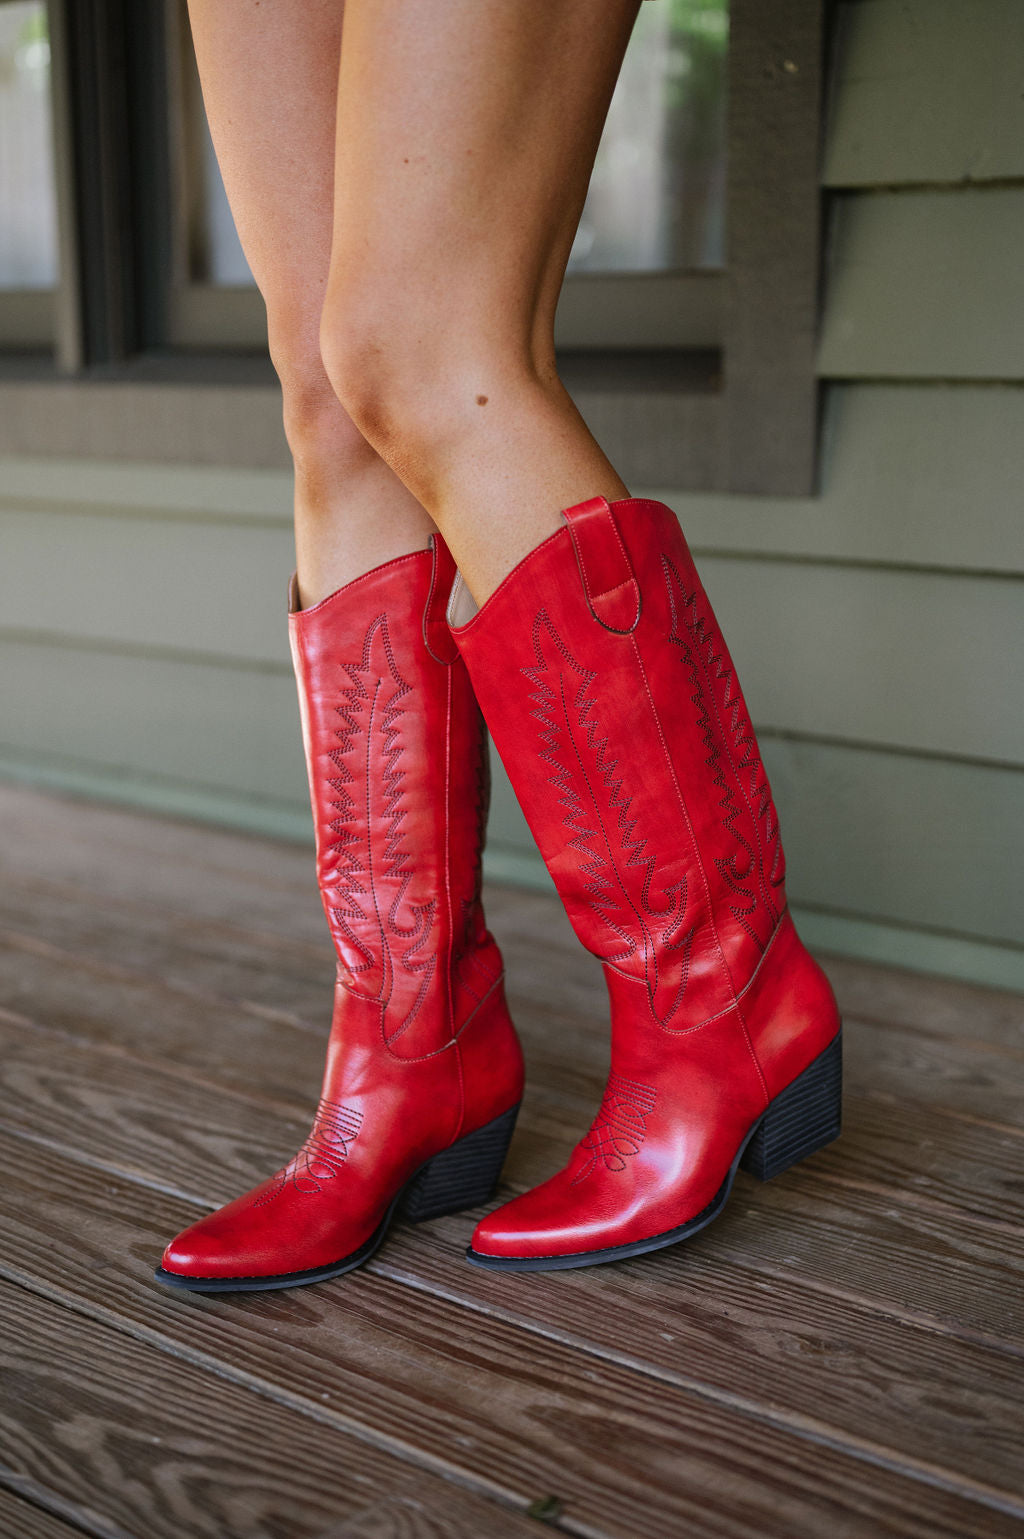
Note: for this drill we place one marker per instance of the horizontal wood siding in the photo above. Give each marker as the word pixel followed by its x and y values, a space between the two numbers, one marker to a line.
pixel 926 284
pixel 928 91
pixel 876 625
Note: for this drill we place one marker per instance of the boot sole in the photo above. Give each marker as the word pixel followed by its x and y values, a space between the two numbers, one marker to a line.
pixel 802 1119
pixel 462 1176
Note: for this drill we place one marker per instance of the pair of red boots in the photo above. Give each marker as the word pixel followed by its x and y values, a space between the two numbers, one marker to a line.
pixel 603 676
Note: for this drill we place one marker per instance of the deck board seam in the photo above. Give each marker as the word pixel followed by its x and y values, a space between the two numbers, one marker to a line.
pixel 415 1459
pixel 20 941
pixel 892 1311
pixel 806 1427
pixel 299 1113
pixel 52 1503
pixel 800 1428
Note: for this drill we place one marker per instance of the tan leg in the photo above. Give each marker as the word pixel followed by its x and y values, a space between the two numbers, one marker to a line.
pixel 270 80
pixel 466 136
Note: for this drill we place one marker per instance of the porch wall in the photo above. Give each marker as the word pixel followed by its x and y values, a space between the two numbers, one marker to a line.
pixel 876 626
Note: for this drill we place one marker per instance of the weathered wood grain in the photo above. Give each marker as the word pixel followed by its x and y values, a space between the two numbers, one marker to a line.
pixel 265 888
pixel 557 993
pixel 179 867
pixel 141 1442
pixel 862 1314
pixel 22 1519
pixel 929 1228
pixel 974 1171
pixel 934 1007
pixel 291 977
pixel 628 1450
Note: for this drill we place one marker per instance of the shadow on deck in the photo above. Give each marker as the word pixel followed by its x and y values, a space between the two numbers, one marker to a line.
pixel 840 1355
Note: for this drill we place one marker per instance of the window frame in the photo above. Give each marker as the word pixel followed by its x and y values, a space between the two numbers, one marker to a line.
pixel 696 380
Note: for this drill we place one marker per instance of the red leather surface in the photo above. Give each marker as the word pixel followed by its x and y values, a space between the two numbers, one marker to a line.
pixel 421 1050
pixel 635 762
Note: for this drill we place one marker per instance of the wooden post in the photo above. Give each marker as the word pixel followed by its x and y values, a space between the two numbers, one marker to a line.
pixel 772 236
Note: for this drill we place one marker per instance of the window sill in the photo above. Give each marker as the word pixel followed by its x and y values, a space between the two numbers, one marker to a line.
pixel 657 414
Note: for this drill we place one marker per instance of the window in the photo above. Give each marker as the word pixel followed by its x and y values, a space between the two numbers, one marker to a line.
pixel 687 324
pixel 28 213
pixel 644 267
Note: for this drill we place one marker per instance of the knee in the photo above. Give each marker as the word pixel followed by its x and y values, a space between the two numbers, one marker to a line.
pixel 413 363
pixel 323 439
pixel 369 359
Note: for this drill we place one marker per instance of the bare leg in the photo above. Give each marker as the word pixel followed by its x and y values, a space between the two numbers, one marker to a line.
pixel 270 80
pixel 466 135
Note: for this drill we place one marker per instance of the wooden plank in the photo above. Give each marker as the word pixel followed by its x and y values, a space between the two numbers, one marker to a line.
pixel 291 981
pixel 921 284
pixel 511 1404
pixel 894 118
pixel 921 842
pixel 891 1258
pixel 172 867
pixel 178 876
pixel 21 1519
pixel 840 631
pixel 228 729
pixel 194 423
pixel 867 832
pixel 231 424
pixel 930 1007
pixel 240 1050
pixel 211 589
pixel 556 992
pixel 920 475
pixel 159 1123
pixel 901 465
pixel 262 990
pixel 888 658
pixel 662 435
pixel 141 1442
pixel 183 868
pixel 223 494
pixel 116 1109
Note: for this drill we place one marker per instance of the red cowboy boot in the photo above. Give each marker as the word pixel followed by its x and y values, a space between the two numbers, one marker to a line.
pixel 614 705
pixel 424 1071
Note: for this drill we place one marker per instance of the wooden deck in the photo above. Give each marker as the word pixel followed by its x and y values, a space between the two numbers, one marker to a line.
pixel 842 1354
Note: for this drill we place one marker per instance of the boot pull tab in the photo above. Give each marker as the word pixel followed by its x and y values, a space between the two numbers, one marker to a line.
pixel 437 638
pixel 612 591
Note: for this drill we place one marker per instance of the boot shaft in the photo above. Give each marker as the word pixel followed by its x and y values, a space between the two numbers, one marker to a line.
pixel 396 759
pixel 616 709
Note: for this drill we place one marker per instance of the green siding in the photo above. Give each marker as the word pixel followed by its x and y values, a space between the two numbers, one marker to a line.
pixel 233 730
pixel 927 91
pixel 142 629
pixel 911 475
pixel 926 284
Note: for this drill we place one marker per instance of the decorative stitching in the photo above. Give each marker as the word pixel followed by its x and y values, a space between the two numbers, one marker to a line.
pixel 335 1128
pixel 755 873
pixel 564 703
pixel 371 710
pixel 620 1127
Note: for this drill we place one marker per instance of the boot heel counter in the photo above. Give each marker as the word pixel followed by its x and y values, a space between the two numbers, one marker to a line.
pixel 790 1009
pixel 491 1060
